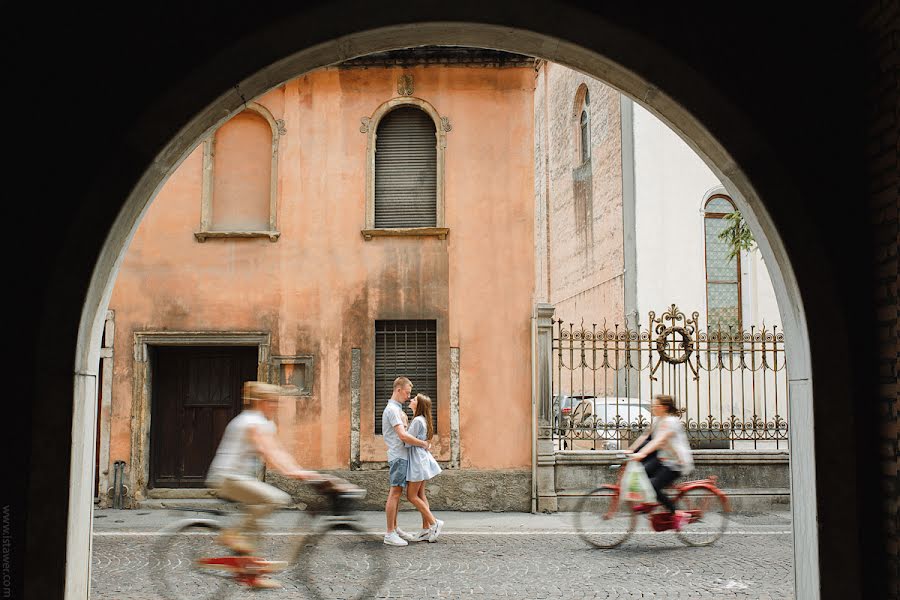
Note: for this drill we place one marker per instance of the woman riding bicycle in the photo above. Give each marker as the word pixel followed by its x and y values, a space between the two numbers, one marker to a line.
pixel 665 453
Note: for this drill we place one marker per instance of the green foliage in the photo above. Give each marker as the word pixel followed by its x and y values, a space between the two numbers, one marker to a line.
pixel 737 235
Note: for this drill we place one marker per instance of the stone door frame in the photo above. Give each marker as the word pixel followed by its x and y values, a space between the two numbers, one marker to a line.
pixel 142 394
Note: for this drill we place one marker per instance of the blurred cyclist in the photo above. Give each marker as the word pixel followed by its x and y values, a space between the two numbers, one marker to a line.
pixel 249 438
pixel 665 453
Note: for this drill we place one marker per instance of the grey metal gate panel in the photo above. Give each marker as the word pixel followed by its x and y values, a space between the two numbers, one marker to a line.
pixel 406 170
pixel 407 348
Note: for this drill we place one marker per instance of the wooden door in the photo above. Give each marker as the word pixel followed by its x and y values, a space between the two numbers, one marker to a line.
pixel 196 391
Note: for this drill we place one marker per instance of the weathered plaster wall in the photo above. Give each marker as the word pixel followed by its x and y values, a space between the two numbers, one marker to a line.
pixel 320 287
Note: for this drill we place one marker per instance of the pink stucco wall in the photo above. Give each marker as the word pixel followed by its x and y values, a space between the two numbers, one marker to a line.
pixel 320 287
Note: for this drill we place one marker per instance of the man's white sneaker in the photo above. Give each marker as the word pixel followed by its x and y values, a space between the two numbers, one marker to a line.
pixel 405 536
pixel 435 530
pixel 421 535
pixel 392 539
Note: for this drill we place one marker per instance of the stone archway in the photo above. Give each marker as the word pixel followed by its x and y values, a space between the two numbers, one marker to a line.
pixel 803 482
pixel 331 45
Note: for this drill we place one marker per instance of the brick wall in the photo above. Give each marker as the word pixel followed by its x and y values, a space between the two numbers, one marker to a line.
pixel 578 205
pixel 880 24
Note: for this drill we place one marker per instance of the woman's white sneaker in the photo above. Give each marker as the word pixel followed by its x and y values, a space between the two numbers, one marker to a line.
pixel 435 530
pixel 391 538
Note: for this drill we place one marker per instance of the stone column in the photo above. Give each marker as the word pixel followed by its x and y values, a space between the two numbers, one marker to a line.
pixel 454 408
pixel 105 416
pixel 546 459
pixel 544 366
pixel 355 379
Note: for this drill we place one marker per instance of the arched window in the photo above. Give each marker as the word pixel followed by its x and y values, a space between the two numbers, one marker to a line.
pixel 406 169
pixel 723 273
pixel 584 123
pixel 585 137
pixel 240 178
pixel 406 139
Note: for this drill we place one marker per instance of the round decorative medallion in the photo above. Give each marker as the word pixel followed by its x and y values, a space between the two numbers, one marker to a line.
pixel 663 345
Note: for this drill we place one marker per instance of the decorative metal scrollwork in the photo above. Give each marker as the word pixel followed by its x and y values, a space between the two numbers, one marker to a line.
pixel 662 345
pixel 666 348
pixel 739 393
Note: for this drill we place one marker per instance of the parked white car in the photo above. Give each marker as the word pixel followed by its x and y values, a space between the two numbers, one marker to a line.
pixel 578 415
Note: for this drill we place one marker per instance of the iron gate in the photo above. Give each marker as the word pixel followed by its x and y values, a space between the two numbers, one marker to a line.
pixel 732 384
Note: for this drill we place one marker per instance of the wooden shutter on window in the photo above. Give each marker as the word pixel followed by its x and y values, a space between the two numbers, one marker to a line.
pixel 407 348
pixel 406 170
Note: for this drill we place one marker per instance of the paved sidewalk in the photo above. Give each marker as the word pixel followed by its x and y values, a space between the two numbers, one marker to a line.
pixel 492 555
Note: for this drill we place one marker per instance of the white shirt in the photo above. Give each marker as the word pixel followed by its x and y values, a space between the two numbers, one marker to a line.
pixel 675 451
pixel 393 415
pixel 236 456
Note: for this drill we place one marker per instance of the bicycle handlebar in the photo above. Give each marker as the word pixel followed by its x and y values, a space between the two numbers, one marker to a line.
pixel 330 486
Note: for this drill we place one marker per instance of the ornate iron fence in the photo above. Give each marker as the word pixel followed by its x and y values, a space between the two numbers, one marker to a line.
pixel 731 384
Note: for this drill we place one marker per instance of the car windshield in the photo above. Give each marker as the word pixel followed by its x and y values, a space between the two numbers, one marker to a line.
pixel 609 405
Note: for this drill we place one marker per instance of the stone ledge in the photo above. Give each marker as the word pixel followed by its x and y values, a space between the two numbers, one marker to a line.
pixel 440 55
pixel 184 503
pixel 701 457
pixel 180 493
pixel 439 232
pixel 202 236
pixel 463 490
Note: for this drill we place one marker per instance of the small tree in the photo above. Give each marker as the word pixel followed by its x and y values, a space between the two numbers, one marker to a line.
pixel 737 234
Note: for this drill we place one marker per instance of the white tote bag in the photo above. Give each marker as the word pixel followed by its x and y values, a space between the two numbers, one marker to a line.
pixel 636 486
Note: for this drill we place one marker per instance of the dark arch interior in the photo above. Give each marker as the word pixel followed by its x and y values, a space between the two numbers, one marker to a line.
pixel 786 96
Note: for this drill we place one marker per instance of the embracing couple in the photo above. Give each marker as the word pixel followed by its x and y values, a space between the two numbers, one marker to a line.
pixel 410 461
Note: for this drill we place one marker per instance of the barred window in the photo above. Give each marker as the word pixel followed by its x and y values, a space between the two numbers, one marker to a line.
pixel 406 169
pixel 409 349
pixel 723 274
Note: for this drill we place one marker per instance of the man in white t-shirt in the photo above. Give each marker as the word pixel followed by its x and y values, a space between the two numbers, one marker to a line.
pixel 393 429
pixel 249 438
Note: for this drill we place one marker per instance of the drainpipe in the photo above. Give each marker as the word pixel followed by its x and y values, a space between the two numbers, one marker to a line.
pixel 118 490
pixel 533 414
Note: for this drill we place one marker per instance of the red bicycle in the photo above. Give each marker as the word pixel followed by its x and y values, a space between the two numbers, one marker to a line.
pixel 334 558
pixel 605 519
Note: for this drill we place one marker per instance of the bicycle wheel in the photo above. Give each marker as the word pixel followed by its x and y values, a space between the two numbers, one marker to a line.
pixel 175 571
pixel 603 521
pixel 709 516
pixel 342 561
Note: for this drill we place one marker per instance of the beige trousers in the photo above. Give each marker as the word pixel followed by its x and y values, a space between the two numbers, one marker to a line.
pixel 259 499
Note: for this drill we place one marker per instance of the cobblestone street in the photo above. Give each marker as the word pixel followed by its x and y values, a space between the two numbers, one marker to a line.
pixel 489 555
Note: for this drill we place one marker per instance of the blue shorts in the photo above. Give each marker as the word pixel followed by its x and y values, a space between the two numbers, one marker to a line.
pixel 397 473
